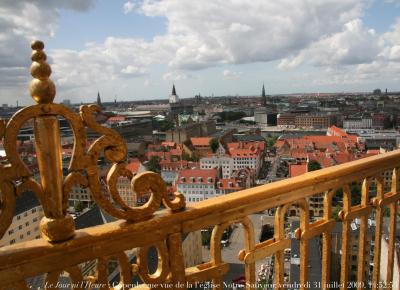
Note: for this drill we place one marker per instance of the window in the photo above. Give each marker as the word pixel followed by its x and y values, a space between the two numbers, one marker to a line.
pixel 34 220
pixel 25 213
pixel 28 233
pixel 27 224
pixel 10 232
pixel 12 242
pixel 33 210
pixel 20 227
pixel 21 237
pixel 18 217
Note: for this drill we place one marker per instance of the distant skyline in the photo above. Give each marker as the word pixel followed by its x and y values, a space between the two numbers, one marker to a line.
pixel 136 50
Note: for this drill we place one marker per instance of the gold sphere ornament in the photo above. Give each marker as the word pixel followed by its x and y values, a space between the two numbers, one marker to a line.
pixel 42 88
pixel 42 91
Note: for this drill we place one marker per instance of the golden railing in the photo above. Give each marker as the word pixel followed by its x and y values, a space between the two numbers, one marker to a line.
pixel 62 248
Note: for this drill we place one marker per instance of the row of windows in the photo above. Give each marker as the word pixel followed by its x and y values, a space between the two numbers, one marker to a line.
pixel 22 236
pixel 244 158
pixel 212 166
pixel 214 162
pixel 33 210
pixel 84 196
pixel 34 220
pixel 197 186
pixel 194 199
pixel 197 192
pixel 79 190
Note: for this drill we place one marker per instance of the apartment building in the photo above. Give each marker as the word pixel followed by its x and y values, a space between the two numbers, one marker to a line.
pixel 315 121
pixel 201 145
pixel 286 120
pixel 197 184
pixel 222 162
pixel 240 155
pixel 124 184
pixel 246 158
pixel 304 120
pixel 357 123
pixel 81 195
pixel 25 223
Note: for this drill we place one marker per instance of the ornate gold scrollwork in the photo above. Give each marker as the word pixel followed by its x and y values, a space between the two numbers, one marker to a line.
pixel 162 271
pixel 53 190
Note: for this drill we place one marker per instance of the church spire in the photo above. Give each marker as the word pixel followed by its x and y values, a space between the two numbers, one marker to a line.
pixel 98 99
pixel 263 96
pixel 173 90
pixel 173 98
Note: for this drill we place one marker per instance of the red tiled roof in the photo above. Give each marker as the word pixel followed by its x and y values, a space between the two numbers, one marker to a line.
pixel 243 152
pixel 169 144
pixel 280 143
pixel 176 152
pixel 337 131
pixel 297 169
pixel 205 176
pixel 228 183
pixel 247 145
pixel 344 157
pixel 373 151
pixel 116 119
pixel 200 141
pixel 134 166
pixel 173 165
pixel 162 155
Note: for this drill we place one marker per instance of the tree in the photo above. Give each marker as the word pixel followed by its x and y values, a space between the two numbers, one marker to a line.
pixel 230 116
pixel 377 92
pixel 154 164
pixel 271 141
pixel 214 144
pixel 355 190
pixel 166 125
pixel 313 165
pixel 78 206
pixel 335 213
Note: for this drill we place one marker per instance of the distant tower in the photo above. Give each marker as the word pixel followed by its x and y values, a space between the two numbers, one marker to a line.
pixel 263 97
pixel 99 100
pixel 173 98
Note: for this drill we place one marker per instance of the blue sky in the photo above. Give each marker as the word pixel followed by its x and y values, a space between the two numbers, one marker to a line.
pixel 136 49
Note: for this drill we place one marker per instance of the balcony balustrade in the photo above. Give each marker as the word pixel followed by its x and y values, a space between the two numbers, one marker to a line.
pixel 63 249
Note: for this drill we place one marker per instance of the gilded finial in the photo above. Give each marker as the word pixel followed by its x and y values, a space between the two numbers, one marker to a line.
pixel 42 88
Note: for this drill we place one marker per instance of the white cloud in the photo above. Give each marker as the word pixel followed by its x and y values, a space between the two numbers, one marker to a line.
pixel 234 32
pixel 291 62
pixel 21 22
pixel 177 76
pixel 355 44
pixel 133 70
pixel 128 7
pixel 397 2
pixel 228 74
pixel 203 34
pixel 208 33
